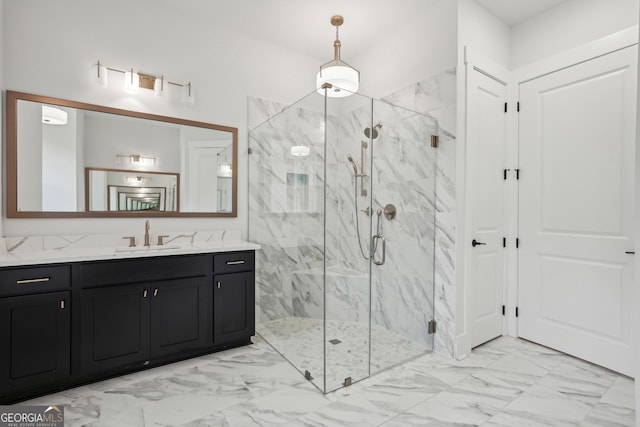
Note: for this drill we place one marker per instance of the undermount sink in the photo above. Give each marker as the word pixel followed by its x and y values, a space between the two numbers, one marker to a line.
pixel 147 249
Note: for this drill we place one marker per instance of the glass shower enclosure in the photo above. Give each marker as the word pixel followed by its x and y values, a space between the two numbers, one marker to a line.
pixel 341 200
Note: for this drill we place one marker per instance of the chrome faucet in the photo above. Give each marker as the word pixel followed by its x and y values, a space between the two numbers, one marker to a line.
pixel 146 233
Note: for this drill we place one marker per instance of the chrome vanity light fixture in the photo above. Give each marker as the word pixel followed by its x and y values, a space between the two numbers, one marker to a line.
pixel 336 76
pixel 134 80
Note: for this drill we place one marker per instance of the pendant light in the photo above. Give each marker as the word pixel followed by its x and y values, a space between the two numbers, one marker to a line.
pixel 336 76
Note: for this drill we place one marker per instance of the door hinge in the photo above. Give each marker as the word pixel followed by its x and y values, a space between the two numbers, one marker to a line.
pixel 504 242
pixel 435 141
pixel 504 310
pixel 249 151
pixel 517 243
pixel 516 311
pixel 505 107
pixel 432 326
pixel 518 106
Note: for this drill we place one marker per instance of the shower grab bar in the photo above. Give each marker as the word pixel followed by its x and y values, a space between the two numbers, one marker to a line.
pixel 375 239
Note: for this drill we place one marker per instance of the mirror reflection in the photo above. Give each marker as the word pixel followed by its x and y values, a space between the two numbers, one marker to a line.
pixel 130 190
pixel 85 160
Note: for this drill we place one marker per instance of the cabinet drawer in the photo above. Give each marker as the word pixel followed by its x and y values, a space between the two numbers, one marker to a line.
pixel 231 262
pixel 111 272
pixel 29 280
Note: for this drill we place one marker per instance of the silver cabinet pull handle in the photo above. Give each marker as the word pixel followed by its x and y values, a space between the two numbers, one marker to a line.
pixel 62 304
pixel 144 294
pixel 235 262
pixel 25 281
pixel 155 292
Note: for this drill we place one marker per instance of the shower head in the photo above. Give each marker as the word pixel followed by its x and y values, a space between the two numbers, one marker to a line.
pixel 355 168
pixel 372 133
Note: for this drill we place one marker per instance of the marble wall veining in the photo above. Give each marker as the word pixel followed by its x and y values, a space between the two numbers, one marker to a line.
pixel 405 170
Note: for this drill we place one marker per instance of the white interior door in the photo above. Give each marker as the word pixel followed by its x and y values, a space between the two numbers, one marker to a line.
pixel 577 139
pixel 486 147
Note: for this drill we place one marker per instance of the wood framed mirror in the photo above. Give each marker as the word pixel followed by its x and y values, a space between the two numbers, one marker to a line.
pixel 56 147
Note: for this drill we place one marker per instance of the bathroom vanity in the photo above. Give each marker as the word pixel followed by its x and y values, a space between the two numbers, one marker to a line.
pixel 66 323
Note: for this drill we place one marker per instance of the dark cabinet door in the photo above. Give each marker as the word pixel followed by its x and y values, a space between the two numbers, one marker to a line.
pixel 115 327
pixel 35 340
pixel 178 316
pixel 233 307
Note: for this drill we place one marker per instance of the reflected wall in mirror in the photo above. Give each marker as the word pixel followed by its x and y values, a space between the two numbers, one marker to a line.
pixel 51 142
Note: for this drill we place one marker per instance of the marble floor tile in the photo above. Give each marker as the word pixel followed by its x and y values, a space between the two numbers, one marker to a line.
pixel 500 385
pixel 540 404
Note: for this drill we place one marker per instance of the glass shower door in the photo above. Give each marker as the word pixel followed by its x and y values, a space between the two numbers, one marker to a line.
pixel 403 173
pixel 286 217
pixel 347 241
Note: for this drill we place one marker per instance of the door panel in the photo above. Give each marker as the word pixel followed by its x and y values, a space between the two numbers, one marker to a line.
pixel 178 315
pixel 115 327
pixel 577 139
pixel 233 308
pixel 486 147
pixel 36 334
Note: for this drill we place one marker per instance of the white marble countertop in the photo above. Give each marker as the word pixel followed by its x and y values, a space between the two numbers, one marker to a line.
pixel 76 254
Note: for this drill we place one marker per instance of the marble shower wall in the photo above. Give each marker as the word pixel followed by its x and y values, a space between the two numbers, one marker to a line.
pixel 407 172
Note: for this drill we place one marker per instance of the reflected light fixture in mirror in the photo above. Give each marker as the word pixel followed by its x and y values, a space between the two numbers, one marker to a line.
pixel 138 180
pixel 136 159
pixel 225 171
pixel 54 115
pixel 300 150
pixel 336 77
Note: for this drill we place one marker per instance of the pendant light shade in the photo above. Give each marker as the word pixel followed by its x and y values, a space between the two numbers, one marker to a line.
pixel 343 79
pixel 336 77
pixel 53 115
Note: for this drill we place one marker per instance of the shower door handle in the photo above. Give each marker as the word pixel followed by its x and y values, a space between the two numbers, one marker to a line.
pixel 384 249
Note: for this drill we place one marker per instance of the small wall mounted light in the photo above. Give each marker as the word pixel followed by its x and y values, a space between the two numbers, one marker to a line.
pixel 336 77
pixel 100 74
pixel 131 81
pixel 134 80
pixel 54 115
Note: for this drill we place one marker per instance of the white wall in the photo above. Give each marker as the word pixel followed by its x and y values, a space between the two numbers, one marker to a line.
pixel 419 49
pixel 568 25
pixel 53 55
pixel 482 33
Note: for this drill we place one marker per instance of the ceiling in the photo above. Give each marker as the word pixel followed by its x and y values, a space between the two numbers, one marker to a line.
pixel 304 25
pixel 512 12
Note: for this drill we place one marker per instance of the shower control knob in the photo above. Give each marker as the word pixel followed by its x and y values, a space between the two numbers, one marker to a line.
pixel 475 243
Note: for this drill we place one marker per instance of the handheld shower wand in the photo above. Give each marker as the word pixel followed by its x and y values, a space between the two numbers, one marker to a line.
pixel 355 168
